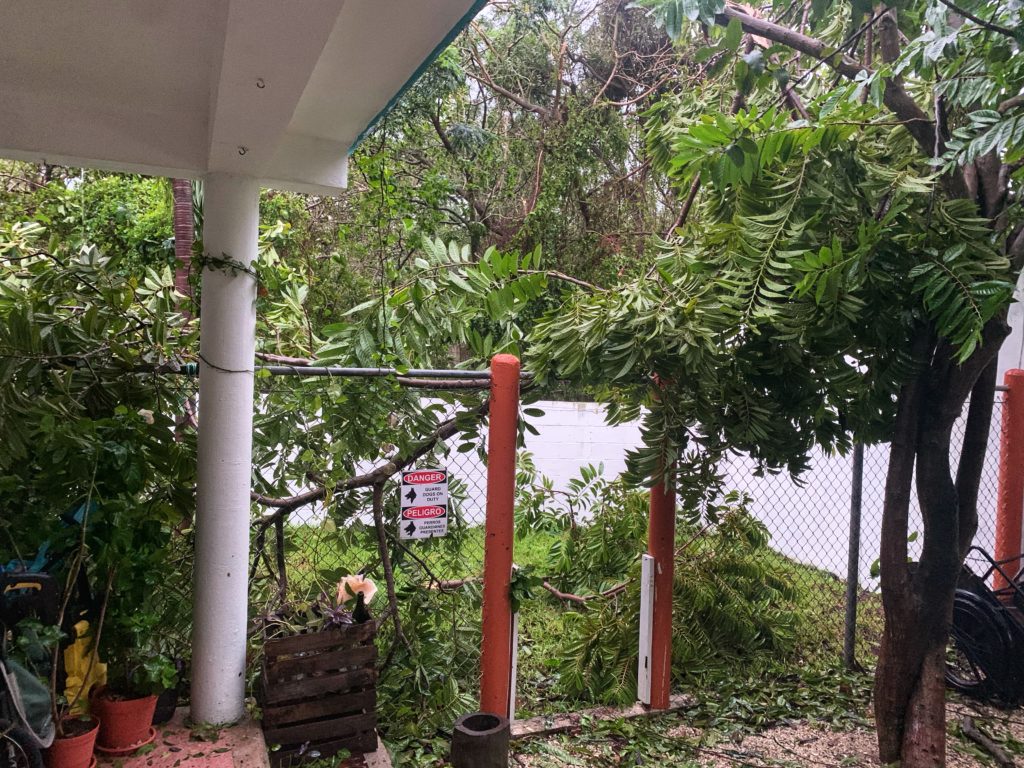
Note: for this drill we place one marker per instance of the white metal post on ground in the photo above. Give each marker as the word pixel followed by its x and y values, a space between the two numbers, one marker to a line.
pixel 227 346
pixel 643 671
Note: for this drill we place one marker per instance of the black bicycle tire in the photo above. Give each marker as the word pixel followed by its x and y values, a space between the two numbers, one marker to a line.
pixel 24 742
pixel 997 640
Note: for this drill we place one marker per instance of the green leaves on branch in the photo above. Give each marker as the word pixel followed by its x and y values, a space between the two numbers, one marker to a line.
pixel 963 287
pixel 672 14
pixel 989 132
pixel 446 299
pixel 779 317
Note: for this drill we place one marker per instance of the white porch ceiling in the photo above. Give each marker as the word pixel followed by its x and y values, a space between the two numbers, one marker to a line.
pixel 276 89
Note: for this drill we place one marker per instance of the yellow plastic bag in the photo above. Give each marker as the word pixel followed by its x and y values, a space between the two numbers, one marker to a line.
pixel 77 659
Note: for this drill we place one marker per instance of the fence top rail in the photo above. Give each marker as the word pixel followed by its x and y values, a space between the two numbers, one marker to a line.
pixel 331 371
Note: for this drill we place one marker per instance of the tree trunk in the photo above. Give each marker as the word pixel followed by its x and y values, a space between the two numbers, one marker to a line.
pixel 910 693
pixel 917 598
pixel 184 235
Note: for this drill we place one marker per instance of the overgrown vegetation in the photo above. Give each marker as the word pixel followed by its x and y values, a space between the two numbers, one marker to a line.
pixel 762 229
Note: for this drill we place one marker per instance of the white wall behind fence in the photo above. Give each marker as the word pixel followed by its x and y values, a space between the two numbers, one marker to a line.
pixel 808 521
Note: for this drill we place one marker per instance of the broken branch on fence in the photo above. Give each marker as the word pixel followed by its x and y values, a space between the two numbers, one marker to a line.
pixel 582 599
pixel 430 574
pixel 450 585
pixel 301 362
pixel 282 571
pixel 285 506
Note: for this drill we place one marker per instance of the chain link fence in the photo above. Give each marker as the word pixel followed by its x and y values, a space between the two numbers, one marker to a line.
pixel 428 599
pixel 809 522
pixel 430 655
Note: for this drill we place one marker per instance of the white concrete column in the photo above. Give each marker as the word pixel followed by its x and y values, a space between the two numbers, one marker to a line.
pixel 227 346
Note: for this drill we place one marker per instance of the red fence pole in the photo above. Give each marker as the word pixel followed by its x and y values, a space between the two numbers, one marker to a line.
pixel 496 660
pixel 661 535
pixel 1010 501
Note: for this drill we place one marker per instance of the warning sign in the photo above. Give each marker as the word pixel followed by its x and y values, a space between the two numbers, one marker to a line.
pixel 424 496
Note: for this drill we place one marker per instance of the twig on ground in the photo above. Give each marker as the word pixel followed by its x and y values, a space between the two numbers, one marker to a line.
pixel 971 731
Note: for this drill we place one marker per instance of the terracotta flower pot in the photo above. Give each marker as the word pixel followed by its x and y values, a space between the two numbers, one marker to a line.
pixel 74 751
pixel 125 724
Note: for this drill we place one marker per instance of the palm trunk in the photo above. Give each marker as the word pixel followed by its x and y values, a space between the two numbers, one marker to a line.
pixel 184 235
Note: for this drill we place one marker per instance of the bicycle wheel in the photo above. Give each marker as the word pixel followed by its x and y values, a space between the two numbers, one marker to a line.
pixel 978 648
pixel 17 748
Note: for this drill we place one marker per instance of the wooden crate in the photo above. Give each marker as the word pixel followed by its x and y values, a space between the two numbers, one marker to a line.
pixel 318 693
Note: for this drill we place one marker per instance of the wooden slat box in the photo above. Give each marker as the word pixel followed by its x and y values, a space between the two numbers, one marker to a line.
pixel 319 694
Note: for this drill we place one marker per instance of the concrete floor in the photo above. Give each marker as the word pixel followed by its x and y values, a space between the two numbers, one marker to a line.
pixel 240 746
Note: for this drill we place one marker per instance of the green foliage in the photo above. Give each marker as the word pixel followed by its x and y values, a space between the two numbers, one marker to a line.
pixel 81 417
pixel 780 318
pixel 597 554
pixel 87 423
pixel 429 682
pixel 449 299
pixel 733 601
pixel 130 647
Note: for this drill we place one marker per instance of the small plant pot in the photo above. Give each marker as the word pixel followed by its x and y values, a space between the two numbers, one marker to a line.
pixel 125 724
pixel 73 751
pixel 480 740
pixel 166 703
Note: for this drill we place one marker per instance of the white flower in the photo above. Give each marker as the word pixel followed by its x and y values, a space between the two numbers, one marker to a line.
pixel 350 586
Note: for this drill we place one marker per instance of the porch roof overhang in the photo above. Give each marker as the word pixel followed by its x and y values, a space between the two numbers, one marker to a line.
pixel 276 90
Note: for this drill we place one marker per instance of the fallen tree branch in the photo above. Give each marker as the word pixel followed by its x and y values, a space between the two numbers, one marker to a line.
pixel 582 599
pixel 285 506
pixel 1010 103
pixel 895 96
pixel 979 21
pixel 302 362
pixel 568 596
pixel 970 730
pixel 448 585
pixel 385 561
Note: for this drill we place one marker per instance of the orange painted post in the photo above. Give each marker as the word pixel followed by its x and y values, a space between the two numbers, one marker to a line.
pixel 661 535
pixel 496 661
pixel 1010 501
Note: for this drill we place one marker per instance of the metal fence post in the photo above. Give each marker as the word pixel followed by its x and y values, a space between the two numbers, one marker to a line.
pixel 853 559
pixel 661 540
pixel 496 651
pixel 1010 500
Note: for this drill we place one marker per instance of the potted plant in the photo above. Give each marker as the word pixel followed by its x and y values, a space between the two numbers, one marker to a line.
pixel 74 733
pixel 73 743
pixel 129 539
pixel 136 674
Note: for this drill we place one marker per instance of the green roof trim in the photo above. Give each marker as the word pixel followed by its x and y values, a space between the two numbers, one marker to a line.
pixel 455 31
